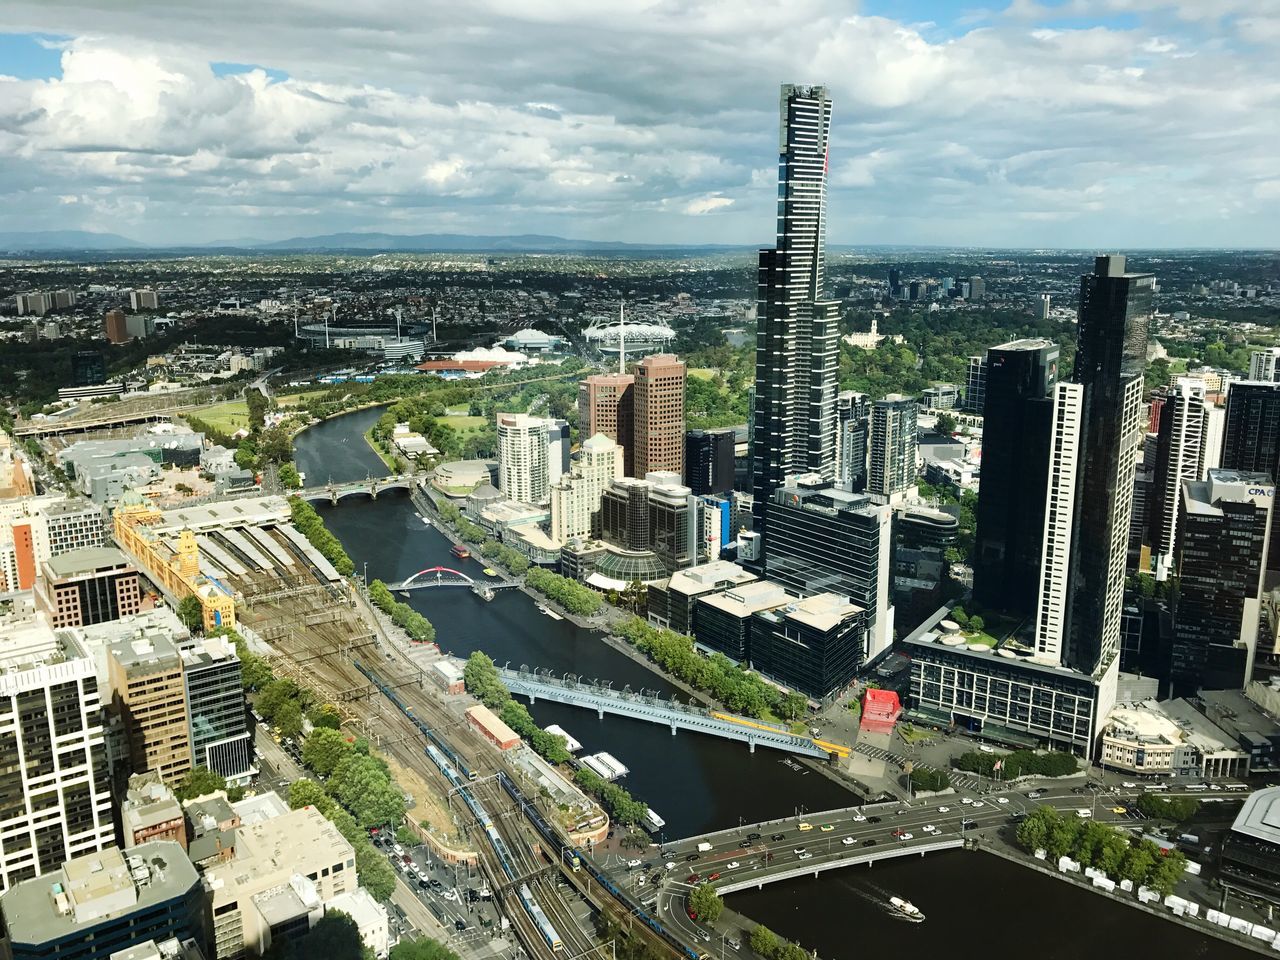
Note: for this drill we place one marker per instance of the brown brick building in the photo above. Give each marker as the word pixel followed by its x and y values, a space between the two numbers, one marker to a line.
pixel 605 406
pixel 658 418
pixel 87 586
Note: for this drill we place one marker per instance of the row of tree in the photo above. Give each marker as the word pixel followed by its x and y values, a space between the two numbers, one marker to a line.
pixel 770 946
pixel 354 777
pixel 374 872
pixel 1103 847
pixel 739 690
pixel 509 557
pixel 418 627
pixel 1177 809
pixel 617 800
pixel 1020 763
pixel 570 594
pixel 310 525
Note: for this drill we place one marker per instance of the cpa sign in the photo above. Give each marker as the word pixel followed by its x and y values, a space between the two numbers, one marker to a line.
pixel 1262 491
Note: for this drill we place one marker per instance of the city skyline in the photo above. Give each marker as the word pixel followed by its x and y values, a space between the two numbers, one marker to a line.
pixel 1028 125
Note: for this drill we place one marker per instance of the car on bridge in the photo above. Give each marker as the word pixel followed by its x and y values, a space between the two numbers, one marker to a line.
pixel 806 856
pixel 778 836
pixel 859 818
pixel 732 865
pixel 848 841
pixel 798 850
pixel 826 828
pixel 805 827
pixel 868 843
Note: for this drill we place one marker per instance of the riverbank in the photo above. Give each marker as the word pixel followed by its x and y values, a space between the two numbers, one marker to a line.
pixel 1002 850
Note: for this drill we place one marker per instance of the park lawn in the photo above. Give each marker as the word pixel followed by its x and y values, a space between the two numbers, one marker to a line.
pixel 986 639
pixel 465 424
pixel 293 399
pixel 386 458
pixel 1177 365
pixel 912 734
pixel 703 373
pixel 228 417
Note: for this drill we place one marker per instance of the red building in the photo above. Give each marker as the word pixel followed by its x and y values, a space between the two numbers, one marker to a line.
pixel 880 711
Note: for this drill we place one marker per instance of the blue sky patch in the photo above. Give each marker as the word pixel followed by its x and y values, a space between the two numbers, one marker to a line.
pixel 30 56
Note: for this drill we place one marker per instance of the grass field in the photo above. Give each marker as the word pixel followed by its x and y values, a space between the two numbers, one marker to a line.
pixel 228 417
pixel 703 373
pixel 293 399
pixel 465 424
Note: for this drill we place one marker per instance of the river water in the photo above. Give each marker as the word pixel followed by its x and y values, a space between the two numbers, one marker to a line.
pixel 977 905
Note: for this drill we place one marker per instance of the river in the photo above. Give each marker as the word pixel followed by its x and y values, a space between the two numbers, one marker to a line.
pixel 976 904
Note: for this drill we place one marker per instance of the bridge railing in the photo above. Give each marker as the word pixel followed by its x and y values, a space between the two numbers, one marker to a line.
pixel 836 860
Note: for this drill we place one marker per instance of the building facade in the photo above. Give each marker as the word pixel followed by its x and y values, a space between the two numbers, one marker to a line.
pixel 1179 457
pixel 814 645
pixel 853 434
pixel 524 456
pixel 216 711
pixel 575 498
pixel 605 405
pixel 87 586
pixel 658 415
pixel 1265 365
pixel 820 539
pixel 891 474
pixel 794 417
pixel 1020 380
pixel 1251 441
pixel 1220 561
pixel 708 461
pixel 149 693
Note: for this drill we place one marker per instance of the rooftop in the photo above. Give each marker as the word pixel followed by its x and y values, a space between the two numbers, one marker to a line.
pixel 86 560
pixel 742 601
pixel 709 576
pixel 145 653
pixel 822 611
pixel 1260 816
pixel 96 887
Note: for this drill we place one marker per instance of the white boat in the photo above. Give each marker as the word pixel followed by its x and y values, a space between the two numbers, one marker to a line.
pixel 907 909
pixel 652 822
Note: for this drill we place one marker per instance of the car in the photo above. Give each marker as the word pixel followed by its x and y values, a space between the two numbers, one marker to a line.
pixel 732 865
pixel 706 937
pixel 753 836
pixel 1002 799
pixel 826 828
pixel 692 916
pixel 671 864
pixel 1035 794
pixel 778 836
pixel 714 877
pixel 929 828
pixel 693 878
pixel 399 850
pixel 966 801
pixel 459 925
pixel 745 844
pixel 848 841
pixel 805 827
pixel 944 809
pixel 873 819
pixel 859 818
pixel 632 864
pixel 423 883
pixel 692 857
pixel 1119 809
pixel 1128 785
pixel 1215 786
pixel 640 882
pixel 976 803
pixel 798 850
pixel 868 843
pixel 734 944
pixel 966 823
pixel 907 836
pixel 806 856
pixel 408 860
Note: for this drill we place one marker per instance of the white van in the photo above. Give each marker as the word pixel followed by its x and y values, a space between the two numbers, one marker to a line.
pixel 1084 814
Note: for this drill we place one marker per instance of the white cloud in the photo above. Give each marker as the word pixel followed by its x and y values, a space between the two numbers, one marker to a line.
pixel 634 121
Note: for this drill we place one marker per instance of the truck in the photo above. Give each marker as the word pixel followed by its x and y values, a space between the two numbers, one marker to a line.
pixel 1084 813
pixel 1190 838
pixel 704 847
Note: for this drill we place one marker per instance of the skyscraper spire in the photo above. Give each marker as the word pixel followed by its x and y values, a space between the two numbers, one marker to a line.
pixel 622 339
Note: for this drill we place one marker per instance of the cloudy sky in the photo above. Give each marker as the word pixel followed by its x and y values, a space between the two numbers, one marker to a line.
pixel 1090 123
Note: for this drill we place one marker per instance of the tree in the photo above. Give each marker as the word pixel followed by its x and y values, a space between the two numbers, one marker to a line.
pixel 793 706
pixel 191 612
pixel 325 716
pixel 480 675
pixel 257 405
pixel 406 837
pixel 959 616
pixel 199 782
pixel 308 793
pixel 946 423
pixel 334 936
pixel 375 873
pixel 275 445
pixel 1167 872
pixel 288 719
pixel 290 479
pixel 764 941
pixel 274 695
pixel 977 624
pixel 421 948
pixel 324 749
pixel 706 903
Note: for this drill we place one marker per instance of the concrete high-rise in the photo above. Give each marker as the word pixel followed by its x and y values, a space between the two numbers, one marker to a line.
pixel 794 423
pixel 1020 378
pixel 1097 423
pixel 658 415
pixel 1179 457
pixel 1265 365
pixel 975 383
pixel 605 406
pixel 575 498
pixel 56 804
pixel 1251 441
pixel 220 737
pixel 1220 558
pixel 853 434
pixel 114 326
pixel 894 448
pixel 524 453
pixel 149 693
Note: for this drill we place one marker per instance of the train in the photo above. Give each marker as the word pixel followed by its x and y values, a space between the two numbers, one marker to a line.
pixel 439 742
pixel 574 855
pixel 540 919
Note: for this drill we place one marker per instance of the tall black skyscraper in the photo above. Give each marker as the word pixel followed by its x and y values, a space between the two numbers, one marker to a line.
pixel 1251 441
pixel 1015 463
pixel 794 426
pixel 708 461
pixel 1111 356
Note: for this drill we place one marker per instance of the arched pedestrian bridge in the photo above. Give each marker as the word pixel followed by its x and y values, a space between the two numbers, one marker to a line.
pixel 446 577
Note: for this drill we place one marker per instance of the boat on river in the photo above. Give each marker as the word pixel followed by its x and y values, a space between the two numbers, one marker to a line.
pixel 459 551
pixel 906 909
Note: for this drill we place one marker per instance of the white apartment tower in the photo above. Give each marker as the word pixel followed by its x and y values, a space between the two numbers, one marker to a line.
pixel 575 497
pixel 1059 517
pixel 56 802
pixel 523 458
pixel 1265 365
pixel 1180 457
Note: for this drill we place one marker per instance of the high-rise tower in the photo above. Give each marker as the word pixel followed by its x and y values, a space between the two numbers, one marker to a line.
pixel 1097 423
pixel 794 426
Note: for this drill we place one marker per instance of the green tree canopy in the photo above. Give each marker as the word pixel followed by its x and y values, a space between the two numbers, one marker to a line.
pixel 308 793
pixel 421 948
pixel 335 936
pixel 191 612
pixel 706 903
pixel 324 749
pixel 199 782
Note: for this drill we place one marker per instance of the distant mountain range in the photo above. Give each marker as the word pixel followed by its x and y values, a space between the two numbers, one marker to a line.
pixel 47 240
pixel 79 240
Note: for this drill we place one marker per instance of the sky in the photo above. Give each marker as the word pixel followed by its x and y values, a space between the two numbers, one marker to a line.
pixel 1030 123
